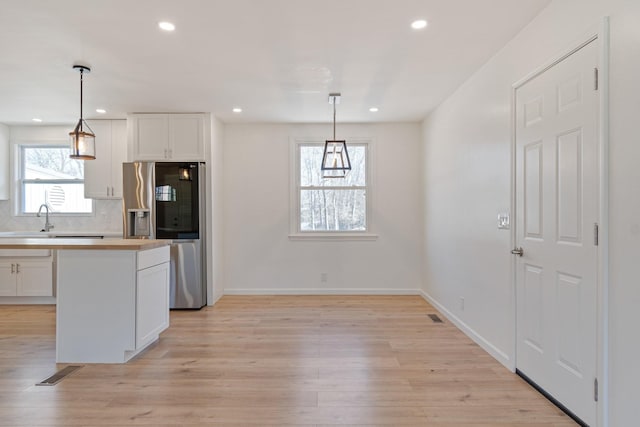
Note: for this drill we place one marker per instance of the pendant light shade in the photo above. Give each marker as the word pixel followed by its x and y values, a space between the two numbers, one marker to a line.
pixel 335 159
pixel 82 138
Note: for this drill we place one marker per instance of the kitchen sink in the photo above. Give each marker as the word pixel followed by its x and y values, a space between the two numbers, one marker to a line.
pixel 51 234
pixel 28 234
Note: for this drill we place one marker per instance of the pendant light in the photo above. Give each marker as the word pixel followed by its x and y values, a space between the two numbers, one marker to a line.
pixel 83 140
pixel 335 160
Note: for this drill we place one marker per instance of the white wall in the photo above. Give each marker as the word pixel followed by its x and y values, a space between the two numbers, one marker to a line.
pixel 467 182
pixel 107 213
pixel 258 255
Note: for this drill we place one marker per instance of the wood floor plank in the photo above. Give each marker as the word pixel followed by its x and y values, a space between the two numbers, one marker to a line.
pixel 273 361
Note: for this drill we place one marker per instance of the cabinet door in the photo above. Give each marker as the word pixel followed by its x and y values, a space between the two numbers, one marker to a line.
pixel 97 173
pixel 7 279
pixel 150 136
pixel 152 303
pixel 186 137
pixel 118 155
pixel 34 278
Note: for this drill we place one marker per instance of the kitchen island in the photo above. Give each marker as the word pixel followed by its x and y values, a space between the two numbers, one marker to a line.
pixel 112 295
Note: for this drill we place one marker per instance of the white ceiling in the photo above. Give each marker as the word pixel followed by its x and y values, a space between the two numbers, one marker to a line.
pixel 277 59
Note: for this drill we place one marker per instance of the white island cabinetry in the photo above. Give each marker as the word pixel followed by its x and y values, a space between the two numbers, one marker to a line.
pixel 111 303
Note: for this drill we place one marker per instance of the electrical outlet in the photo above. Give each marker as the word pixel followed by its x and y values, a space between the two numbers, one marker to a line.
pixel 461 304
pixel 504 221
pixel 323 277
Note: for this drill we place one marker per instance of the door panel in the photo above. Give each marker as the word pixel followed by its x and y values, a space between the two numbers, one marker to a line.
pixel 533 314
pixel 569 186
pixel 533 189
pixel 556 207
pixel 568 289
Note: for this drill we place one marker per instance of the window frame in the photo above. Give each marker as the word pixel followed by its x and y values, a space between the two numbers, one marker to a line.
pixel 295 190
pixel 20 181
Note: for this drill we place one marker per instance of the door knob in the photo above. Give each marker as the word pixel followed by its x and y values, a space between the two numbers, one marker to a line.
pixel 517 251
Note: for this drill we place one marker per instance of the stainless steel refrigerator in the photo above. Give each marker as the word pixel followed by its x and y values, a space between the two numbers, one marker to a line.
pixel 166 200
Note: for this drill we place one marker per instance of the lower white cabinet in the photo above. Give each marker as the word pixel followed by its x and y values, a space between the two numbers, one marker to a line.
pixel 152 303
pixel 111 304
pixel 26 277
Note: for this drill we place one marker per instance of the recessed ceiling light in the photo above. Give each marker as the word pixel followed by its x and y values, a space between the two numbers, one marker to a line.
pixel 237 110
pixel 373 109
pixel 100 111
pixel 419 24
pixel 166 26
pixel 37 120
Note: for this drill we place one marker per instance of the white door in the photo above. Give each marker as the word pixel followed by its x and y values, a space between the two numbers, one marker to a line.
pixel 557 179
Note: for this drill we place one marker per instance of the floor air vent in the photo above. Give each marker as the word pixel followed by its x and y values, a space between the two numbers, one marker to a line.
pixel 435 318
pixel 60 375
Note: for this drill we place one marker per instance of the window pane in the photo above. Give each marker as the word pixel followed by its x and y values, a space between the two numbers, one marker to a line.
pixel 311 161
pixel 51 163
pixel 61 198
pixel 333 210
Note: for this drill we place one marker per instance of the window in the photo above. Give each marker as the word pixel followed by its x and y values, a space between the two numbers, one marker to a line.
pixel 331 205
pixel 48 175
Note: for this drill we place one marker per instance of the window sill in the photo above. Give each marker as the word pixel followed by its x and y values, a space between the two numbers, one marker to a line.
pixel 333 236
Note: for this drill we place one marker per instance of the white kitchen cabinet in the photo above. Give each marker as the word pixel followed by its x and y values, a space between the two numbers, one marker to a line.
pixel 7 279
pixel 170 137
pixel 103 176
pixel 121 297
pixel 152 302
pixel 26 277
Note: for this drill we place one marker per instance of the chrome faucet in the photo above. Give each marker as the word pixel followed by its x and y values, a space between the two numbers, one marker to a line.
pixel 47 225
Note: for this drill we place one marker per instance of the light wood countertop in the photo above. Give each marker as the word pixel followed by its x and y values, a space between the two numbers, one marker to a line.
pixel 62 243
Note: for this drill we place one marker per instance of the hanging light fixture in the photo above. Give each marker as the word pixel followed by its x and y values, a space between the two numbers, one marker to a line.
pixel 335 160
pixel 83 140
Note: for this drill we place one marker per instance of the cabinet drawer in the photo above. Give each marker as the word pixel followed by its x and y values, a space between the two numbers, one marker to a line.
pixel 19 253
pixel 152 257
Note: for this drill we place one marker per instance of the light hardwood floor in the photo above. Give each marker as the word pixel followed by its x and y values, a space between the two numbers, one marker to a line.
pixel 273 360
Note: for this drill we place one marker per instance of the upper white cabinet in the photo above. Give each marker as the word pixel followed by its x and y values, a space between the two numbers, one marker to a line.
pixel 103 176
pixel 174 137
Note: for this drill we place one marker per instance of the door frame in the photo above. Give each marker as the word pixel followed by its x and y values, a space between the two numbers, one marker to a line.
pixel 599 35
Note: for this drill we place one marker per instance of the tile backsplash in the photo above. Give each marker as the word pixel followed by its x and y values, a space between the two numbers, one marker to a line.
pixel 107 217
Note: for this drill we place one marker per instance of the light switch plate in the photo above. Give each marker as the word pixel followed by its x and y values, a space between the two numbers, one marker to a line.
pixel 504 221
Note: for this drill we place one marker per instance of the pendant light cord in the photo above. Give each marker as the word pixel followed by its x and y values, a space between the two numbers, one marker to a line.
pixel 334 118
pixel 81 75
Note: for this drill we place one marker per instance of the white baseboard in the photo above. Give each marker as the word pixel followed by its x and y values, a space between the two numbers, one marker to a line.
pixel 214 302
pixel 320 291
pixel 27 300
pixel 494 351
